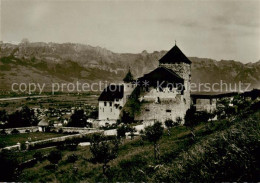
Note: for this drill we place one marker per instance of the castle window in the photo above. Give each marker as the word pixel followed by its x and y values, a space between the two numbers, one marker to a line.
pixel 105 103
pixel 147 110
pixel 110 103
pixel 168 110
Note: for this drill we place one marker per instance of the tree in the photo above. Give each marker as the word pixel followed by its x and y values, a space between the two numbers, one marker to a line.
pixel 127 117
pixel 3 115
pixel 23 118
pixel 153 134
pixel 78 119
pixel 54 157
pixel 93 114
pixel 103 151
pixel 121 130
pixel 169 125
pixel 191 120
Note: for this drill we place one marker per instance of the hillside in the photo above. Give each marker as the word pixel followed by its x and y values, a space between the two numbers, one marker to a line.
pixel 68 62
pixel 227 151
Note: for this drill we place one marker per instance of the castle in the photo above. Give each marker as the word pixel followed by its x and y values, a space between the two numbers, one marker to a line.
pixel 164 92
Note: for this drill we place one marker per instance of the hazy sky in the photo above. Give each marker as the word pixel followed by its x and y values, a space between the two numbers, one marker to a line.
pixel 215 29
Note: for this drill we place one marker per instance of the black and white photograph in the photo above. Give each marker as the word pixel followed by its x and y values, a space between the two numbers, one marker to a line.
pixel 121 91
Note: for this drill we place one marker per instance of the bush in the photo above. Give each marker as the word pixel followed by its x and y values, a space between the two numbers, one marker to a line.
pixel 72 158
pixel 54 157
pixel 38 156
pixel 23 146
pixel 3 132
pixel 2 144
pixel 60 130
pixel 15 131
pixel 7 166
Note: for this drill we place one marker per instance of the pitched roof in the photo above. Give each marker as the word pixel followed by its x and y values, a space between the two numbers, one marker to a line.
pixel 161 74
pixel 175 55
pixel 43 122
pixel 112 92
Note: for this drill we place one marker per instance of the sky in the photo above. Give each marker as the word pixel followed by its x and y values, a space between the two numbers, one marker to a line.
pixel 217 29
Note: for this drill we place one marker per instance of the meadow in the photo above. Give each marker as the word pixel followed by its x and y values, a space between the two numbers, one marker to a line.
pixel 13 139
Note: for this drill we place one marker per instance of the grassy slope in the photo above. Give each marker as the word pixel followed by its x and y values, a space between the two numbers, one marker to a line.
pixel 135 161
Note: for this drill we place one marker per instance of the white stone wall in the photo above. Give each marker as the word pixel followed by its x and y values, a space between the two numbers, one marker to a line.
pixel 111 111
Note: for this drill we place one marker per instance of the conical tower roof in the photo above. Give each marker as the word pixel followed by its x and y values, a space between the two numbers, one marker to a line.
pixel 129 77
pixel 175 55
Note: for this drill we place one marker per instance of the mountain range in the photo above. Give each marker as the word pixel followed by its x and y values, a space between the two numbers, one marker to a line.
pixel 68 62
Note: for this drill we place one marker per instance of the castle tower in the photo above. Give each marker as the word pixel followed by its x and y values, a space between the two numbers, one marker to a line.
pixel 181 65
pixel 129 85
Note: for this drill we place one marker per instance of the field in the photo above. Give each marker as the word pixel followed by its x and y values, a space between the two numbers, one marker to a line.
pixel 47 101
pixel 12 139
pixel 235 140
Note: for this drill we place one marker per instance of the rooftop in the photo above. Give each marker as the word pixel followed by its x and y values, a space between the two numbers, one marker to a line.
pixel 175 55
pixel 112 92
pixel 161 74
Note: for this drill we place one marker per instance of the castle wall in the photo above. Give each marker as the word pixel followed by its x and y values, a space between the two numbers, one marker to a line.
pixel 154 93
pixel 166 109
